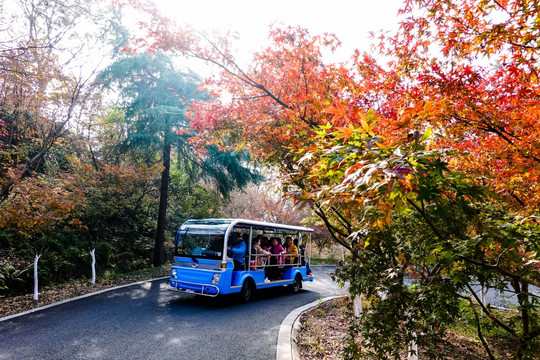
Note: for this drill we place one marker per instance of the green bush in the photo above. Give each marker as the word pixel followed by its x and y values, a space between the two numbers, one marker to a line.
pixel 14 281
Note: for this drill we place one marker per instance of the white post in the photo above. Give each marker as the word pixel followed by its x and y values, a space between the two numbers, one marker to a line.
pixel 36 259
pixel 483 292
pixel 357 305
pixel 342 254
pixel 412 349
pixel 93 254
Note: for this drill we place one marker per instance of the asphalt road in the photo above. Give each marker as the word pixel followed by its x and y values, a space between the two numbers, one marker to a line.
pixel 506 299
pixel 146 321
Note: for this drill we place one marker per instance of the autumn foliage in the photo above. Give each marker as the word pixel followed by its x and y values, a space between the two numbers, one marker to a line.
pixel 421 157
pixel 469 70
pixel 443 134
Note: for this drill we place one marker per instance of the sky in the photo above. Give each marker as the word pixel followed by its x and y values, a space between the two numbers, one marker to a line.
pixel 350 20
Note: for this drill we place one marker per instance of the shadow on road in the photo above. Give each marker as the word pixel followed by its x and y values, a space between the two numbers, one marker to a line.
pixel 230 300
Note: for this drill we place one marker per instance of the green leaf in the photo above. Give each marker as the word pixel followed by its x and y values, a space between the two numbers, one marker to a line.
pixel 426 135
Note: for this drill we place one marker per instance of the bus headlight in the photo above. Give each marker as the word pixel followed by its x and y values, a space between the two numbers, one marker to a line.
pixel 216 278
pixel 173 273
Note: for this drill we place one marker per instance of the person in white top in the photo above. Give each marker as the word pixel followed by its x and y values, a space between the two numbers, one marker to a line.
pixel 262 254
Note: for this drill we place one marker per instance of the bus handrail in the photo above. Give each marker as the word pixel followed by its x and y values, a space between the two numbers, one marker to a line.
pixel 267 264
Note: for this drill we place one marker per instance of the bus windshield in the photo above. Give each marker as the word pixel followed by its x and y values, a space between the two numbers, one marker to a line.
pixel 201 240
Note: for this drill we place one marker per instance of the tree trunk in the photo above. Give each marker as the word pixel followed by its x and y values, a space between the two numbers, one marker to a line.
pixel 522 290
pixel 159 249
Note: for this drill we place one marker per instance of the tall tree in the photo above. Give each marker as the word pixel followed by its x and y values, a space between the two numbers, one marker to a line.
pixel 155 94
pixel 155 97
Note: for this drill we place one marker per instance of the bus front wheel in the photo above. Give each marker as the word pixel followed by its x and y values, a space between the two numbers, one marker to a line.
pixel 248 290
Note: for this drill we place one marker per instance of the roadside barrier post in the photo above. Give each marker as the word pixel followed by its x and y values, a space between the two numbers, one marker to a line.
pixel 93 254
pixel 36 285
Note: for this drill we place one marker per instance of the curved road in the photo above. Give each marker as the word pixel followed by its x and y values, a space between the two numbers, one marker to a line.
pixel 145 321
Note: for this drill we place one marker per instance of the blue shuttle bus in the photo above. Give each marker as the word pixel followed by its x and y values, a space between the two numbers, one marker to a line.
pixel 204 264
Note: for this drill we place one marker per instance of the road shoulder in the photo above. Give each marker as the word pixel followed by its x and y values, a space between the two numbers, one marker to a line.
pixel 9 317
pixel 286 345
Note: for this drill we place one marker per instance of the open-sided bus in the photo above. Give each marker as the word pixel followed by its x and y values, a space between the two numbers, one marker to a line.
pixel 203 263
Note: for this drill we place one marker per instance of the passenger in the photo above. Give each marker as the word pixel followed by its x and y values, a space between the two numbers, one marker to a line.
pixel 303 254
pixel 291 250
pixel 303 257
pixel 277 249
pixel 266 244
pixel 262 254
pixel 217 243
pixel 276 259
pixel 237 251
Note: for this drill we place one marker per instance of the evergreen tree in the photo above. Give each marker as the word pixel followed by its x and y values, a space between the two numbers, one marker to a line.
pixel 154 96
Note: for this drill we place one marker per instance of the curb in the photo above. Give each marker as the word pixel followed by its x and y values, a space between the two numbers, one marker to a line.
pixel 286 346
pixel 76 298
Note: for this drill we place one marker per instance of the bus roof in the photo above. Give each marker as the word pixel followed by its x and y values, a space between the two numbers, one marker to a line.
pixel 234 222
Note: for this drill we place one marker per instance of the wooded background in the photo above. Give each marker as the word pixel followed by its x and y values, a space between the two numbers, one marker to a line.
pixel 420 157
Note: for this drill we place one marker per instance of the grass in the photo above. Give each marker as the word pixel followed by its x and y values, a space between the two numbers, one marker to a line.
pixel 330 255
pixel 327 261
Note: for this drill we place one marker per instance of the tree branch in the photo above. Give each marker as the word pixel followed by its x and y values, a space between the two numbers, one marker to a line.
pixel 489 313
pixel 479 330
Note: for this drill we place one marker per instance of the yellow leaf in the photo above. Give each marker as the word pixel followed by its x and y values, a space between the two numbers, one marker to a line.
pixel 344 133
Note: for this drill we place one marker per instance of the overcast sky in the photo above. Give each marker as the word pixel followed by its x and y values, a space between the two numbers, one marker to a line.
pixel 350 20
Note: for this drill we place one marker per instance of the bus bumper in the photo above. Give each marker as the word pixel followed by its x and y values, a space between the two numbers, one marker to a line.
pixel 193 288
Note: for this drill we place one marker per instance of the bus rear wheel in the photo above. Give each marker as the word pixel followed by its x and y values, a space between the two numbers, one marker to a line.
pixel 248 291
pixel 297 284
